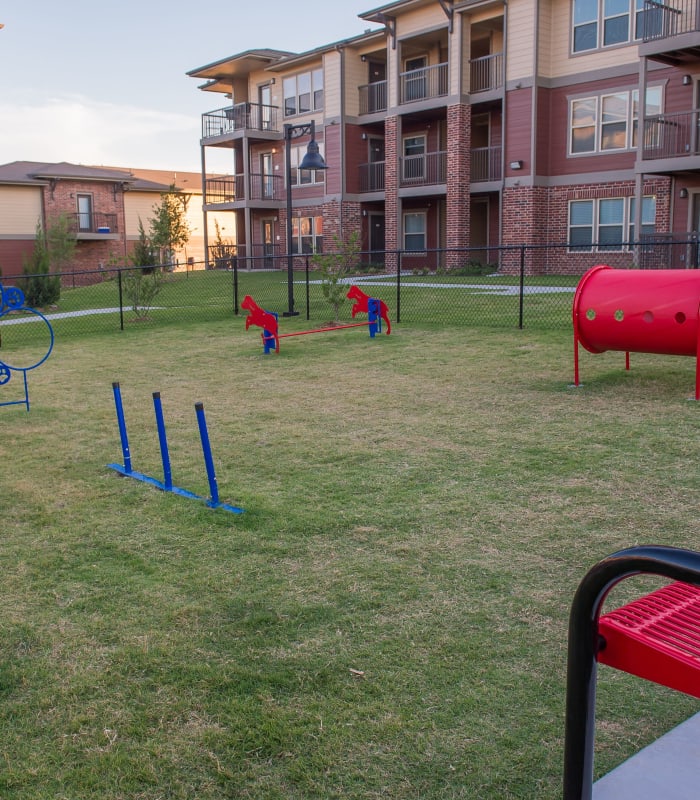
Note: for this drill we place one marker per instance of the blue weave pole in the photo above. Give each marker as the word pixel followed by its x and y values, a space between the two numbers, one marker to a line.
pixel 166 484
pixel 213 501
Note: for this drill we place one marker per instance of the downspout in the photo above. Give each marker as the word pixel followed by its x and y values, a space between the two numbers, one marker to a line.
pixel 205 229
pixel 639 177
pixel 504 115
pixel 343 184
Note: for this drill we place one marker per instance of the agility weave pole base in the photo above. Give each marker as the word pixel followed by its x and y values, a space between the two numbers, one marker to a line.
pixel 166 484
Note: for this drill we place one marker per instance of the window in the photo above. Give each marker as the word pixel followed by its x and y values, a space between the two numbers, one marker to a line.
pixel 608 122
pixel 608 222
pixel 303 93
pixel 307 235
pixel 605 23
pixel 648 217
pixel 414 227
pixel 303 177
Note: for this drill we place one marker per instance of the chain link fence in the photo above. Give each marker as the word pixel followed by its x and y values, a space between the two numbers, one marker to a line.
pixel 528 287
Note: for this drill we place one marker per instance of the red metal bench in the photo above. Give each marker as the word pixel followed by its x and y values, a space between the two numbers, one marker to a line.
pixel 656 637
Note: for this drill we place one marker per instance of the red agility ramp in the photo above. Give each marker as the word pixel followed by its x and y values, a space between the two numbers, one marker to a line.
pixel 641 311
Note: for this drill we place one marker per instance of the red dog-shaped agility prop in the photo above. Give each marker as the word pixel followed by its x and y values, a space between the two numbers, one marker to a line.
pixel 361 306
pixel 262 318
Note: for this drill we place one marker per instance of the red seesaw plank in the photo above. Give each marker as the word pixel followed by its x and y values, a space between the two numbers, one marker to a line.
pixel 657 637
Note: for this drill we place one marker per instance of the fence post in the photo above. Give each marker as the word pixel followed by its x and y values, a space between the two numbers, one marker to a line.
pixel 522 285
pixel 121 300
pixel 234 265
pixel 308 299
pixel 398 287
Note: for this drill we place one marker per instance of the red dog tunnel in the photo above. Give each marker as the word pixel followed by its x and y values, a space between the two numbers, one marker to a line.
pixel 641 311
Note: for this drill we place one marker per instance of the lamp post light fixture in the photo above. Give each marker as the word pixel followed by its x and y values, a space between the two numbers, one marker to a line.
pixel 312 160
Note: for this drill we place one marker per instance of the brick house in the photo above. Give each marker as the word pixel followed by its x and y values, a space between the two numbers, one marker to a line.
pixel 104 204
pixel 471 124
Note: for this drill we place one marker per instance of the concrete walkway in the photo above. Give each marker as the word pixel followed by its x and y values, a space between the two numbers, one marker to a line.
pixel 668 769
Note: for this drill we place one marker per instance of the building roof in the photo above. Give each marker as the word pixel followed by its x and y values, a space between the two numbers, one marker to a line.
pixel 37 173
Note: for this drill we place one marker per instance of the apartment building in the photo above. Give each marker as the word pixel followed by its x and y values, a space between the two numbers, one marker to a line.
pixel 105 206
pixel 470 125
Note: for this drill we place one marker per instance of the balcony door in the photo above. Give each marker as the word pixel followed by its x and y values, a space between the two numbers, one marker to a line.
pixel 84 212
pixel 266 177
pixel 265 100
pixel 268 241
pixel 414 159
pixel 416 85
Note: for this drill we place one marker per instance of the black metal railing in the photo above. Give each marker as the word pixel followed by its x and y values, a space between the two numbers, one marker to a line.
pixel 423 84
pixel 424 170
pixel 240 117
pixel 372 177
pixel 486 73
pixel 486 164
pixel 672 135
pixel 373 97
pixel 93 222
pixel 664 20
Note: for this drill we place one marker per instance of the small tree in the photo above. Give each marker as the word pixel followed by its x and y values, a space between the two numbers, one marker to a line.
pixel 142 286
pixel 170 230
pixel 144 254
pixel 39 286
pixel 335 267
pixel 222 249
pixel 60 242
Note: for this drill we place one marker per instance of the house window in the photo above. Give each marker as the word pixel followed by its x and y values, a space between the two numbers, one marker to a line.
pixel 607 222
pixel 607 122
pixel 303 93
pixel 84 212
pixel 303 177
pixel 307 235
pixel 605 23
pixel 414 230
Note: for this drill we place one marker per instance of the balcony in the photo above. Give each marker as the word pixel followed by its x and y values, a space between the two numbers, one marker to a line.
pixel 85 224
pixel 486 73
pixel 373 97
pixel 232 189
pixel 423 84
pixel 427 169
pixel 486 164
pixel 241 117
pixel 372 177
pixel 674 138
pixel 670 32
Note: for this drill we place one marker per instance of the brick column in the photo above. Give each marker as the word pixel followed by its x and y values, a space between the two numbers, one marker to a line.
pixel 458 181
pixel 392 222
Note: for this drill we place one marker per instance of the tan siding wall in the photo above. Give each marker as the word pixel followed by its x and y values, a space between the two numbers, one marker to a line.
pixel 563 63
pixel 332 96
pixel 138 205
pixel 417 21
pixel 20 210
pixel 520 38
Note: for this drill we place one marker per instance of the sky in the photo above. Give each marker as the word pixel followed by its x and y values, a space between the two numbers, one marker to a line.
pixel 106 84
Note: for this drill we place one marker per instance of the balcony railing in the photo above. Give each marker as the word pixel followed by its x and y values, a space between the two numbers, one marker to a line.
pixel 231 188
pixel 486 164
pixel 672 135
pixel 424 170
pixel 373 97
pixel 486 73
pixel 93 222
pixel 372 177
pixel 423 84
pixel 241 117
pixel 663 20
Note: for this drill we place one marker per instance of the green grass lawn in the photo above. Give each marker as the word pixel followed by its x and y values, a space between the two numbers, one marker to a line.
pixel 388 618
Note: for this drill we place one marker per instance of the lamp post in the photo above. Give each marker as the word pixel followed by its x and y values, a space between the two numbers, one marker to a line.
pixel 312 160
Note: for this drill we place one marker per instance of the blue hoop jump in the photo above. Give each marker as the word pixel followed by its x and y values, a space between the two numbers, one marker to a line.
pixel 12 299
pixel 166 484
